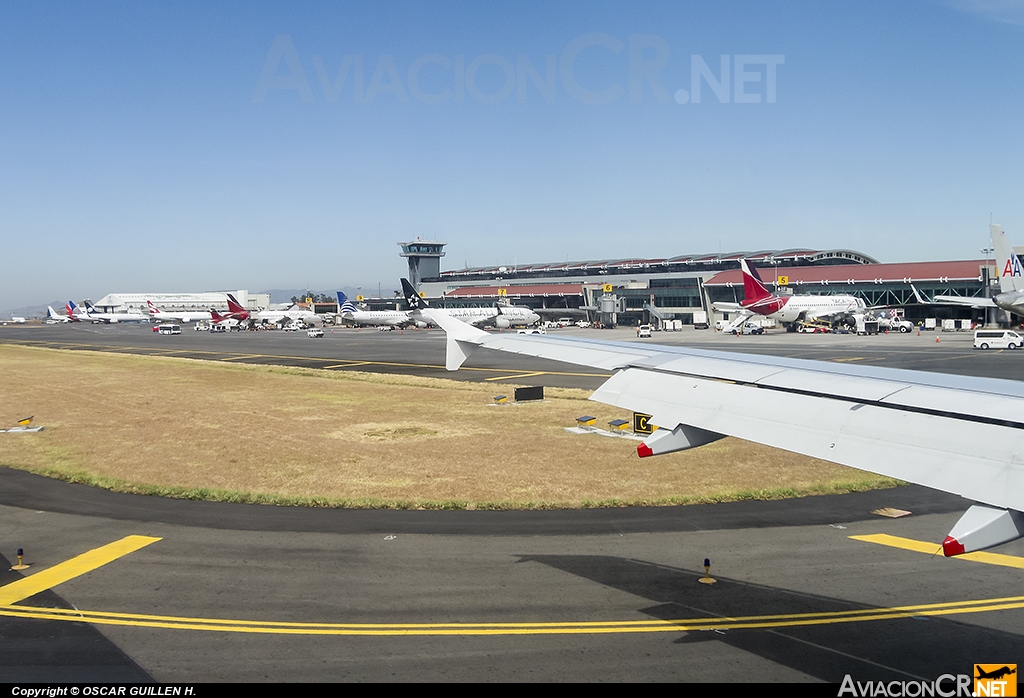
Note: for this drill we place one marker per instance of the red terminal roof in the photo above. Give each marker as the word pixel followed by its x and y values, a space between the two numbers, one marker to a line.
pixel 906 272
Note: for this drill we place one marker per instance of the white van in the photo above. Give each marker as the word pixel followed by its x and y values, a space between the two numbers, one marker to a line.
pixel 997 339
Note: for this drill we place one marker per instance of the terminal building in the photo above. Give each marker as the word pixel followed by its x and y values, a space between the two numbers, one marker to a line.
pixel 653 290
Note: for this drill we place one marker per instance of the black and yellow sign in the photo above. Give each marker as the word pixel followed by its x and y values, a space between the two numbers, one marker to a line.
pixel 502 291
pixel 360 298
pixel 783 281
pixel 995 680
pixel 607 288
pixel 642 423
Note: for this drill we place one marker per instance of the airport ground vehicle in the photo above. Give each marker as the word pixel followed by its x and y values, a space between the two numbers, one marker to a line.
pixel 997 339
pixel 215 329
pixel 749 328
pixel 532 330
pixel 315 332
pixel 167 329
pixel 643 331
pixel 700 320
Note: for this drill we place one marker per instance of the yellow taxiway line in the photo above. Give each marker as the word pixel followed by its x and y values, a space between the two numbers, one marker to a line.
pixel 547 628
pixel 75 567
pixel 518 375
pixel 932 549
pixel 24 588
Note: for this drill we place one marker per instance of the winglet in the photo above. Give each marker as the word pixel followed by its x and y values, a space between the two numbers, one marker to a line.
pixel 463 339
pixel 918 296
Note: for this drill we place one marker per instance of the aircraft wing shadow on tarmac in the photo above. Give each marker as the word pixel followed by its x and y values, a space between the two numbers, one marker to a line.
pixel 957 434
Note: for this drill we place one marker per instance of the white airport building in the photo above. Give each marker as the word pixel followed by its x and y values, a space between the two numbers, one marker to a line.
pixel 136 302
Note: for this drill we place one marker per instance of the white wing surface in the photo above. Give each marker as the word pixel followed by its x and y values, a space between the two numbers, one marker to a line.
pixel 958 434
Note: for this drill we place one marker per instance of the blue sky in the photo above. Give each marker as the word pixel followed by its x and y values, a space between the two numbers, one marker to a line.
pixel 149 147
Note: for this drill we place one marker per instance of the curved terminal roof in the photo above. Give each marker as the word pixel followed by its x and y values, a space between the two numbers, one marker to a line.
pixel 690 262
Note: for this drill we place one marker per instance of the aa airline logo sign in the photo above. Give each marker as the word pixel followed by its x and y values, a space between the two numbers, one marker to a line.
pixel 1012 267
pixel 995 679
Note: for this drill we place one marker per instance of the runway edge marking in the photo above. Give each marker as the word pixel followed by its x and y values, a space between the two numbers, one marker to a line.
pixel 75 567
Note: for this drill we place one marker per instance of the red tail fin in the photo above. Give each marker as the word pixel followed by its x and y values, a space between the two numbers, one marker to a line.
pixel 216 317
pixel 753 288
pixel 233 305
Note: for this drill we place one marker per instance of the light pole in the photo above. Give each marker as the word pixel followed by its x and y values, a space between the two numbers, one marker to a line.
pixel 986 280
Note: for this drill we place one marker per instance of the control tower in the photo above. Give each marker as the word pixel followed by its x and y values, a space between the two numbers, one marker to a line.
pixel 424 259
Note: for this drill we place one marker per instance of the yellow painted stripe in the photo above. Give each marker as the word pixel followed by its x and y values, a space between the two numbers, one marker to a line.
pixel 351 363
pixel 932 549
pixel 518 375
pixel 245 356
pixel 76 566
pixel 549 628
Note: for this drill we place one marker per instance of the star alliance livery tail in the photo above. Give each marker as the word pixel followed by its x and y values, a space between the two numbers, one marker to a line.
pixel 411 297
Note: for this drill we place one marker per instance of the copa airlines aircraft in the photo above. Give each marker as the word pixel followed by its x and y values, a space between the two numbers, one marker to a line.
pixel 789 309
pixel 387 318
pixel 966 432
pixel 1011 280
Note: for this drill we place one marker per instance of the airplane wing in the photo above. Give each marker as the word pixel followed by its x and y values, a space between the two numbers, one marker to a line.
pixel 959 434
pixel 969 302
pixel 953 300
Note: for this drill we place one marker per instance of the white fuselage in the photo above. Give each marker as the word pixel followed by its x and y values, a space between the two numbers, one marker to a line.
pixel 811 307
pixel 183 316
pixel 513 315
pixel 307 317
pixel 112 318
pixel 395 318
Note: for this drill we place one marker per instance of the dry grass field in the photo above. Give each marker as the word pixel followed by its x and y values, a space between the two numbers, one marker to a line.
pixel 198 429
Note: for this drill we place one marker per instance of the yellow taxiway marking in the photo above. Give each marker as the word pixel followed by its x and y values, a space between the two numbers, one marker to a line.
pixel 919 546
pixel 518 375
pixel 243 356
pixel 548 628
pixel 351 363
pixel 76 566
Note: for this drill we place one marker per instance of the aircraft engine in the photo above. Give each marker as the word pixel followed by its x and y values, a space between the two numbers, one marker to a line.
pixel 421 325
pixel 502 322
pixel 113 321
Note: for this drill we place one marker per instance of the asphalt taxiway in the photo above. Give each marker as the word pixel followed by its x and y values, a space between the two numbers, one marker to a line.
pixel 137 588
